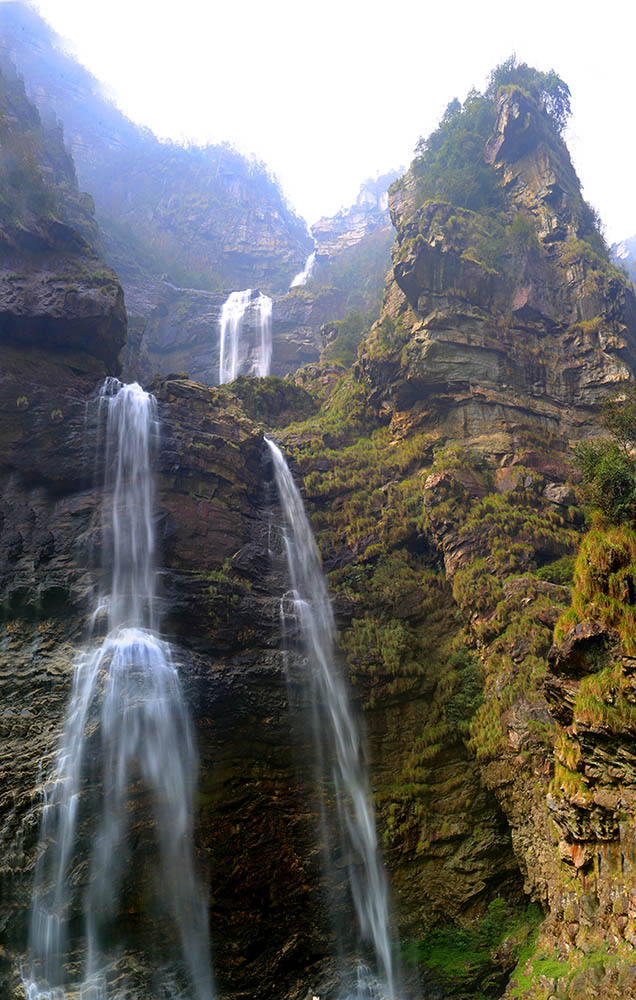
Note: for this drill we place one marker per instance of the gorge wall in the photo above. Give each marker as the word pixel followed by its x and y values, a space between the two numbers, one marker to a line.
pixel 449 513
pixel 438 469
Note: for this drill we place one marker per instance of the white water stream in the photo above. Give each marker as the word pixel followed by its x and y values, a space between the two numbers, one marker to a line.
pixel 236 353
pixel 303 276
pixel 126 764
pixel 334 722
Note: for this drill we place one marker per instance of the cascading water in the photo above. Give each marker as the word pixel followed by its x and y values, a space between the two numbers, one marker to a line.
pixel 334 721
pixel 126 764
pixel 234 351
pixel 303 276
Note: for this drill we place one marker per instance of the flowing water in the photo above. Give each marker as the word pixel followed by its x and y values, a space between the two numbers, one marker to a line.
pixel 236 353
pixel 334 721
pixel 303 276
pixel 126 765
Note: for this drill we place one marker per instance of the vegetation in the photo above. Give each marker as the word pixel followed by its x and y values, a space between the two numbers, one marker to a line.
pixel 450 164
pixel 609 464
pixel 356 276
pixel 347 335
pixel 272 401
pixel 172 209
pixel 605 583
pixel 547 89
pixel 466 960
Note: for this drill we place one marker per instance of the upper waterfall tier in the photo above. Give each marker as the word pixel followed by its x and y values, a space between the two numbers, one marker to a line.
pixel 303 276
pixel 240 351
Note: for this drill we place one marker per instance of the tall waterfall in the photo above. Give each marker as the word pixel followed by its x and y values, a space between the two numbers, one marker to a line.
pixel 334 721
pixel 126 765
pixel 303 276
pixel 234 352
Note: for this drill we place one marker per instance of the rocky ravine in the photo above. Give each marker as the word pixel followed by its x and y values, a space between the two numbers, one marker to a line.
pixel 438 473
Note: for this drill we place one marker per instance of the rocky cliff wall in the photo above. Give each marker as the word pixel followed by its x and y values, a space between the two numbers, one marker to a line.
pixel 440 476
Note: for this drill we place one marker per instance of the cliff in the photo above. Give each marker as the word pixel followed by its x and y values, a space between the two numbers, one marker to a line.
pixel 440 476
pixel 206 218
pixel 436 460
pixel 181 328
pixel 54 289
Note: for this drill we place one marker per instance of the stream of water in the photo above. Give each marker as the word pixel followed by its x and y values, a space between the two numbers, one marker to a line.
pixel 334 722
pixel 236 353
pixel 303 276
pixel 126 766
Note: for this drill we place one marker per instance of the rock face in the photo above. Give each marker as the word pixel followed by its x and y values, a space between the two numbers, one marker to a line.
pixel 625 255
pixel 201 218
pixel 178 329
pixel 58 294
pixel 181 333
pixel 440 478
pixel 438 474
pixel 54 290
pixel 62 327
pixel 255 823
pixel 336 234
pixel 485 342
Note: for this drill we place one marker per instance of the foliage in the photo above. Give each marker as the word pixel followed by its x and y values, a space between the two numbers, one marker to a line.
pixel 547 89
pixel 272 401
pixel 610 477
pixel 560 571
pixel 450 165
pixel 608 465
pixel 349 333
pixel 605 583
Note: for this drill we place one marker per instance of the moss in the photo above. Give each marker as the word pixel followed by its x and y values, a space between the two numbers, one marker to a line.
pixel 579 970
pixel 347 336
pixel 605 584
pixel 273 401
pixel 607 699
pixel 465 958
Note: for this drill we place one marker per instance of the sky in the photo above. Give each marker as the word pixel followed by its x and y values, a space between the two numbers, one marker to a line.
pixel 330 93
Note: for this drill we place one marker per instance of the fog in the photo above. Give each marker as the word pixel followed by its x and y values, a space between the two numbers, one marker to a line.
pixel 329 94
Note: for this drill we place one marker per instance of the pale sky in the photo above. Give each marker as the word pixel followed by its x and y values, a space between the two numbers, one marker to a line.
pixel 333 92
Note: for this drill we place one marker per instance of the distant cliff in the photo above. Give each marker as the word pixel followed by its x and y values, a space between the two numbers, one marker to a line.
pixel 205 217
pixel 181 332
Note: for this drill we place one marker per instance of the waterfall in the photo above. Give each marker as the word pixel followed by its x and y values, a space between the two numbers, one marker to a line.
pixel 126 754
pixel 334 721
pixel 235 349
pixel 303 276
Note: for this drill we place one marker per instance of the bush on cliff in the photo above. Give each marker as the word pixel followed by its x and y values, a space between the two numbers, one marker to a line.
pixel 450 164
pixel 609 464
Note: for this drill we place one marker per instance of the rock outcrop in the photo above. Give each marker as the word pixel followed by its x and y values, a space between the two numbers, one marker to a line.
pixel 178 329
pixel 505 320
pixel 336 234
pixel 440 477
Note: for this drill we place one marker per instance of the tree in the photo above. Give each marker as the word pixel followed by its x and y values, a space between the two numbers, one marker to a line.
pixel 547 89
pixel 609 464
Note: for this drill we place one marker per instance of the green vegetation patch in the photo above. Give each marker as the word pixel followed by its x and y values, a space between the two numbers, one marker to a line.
pixel 469 960
pixel 273 401
pixel 605 584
